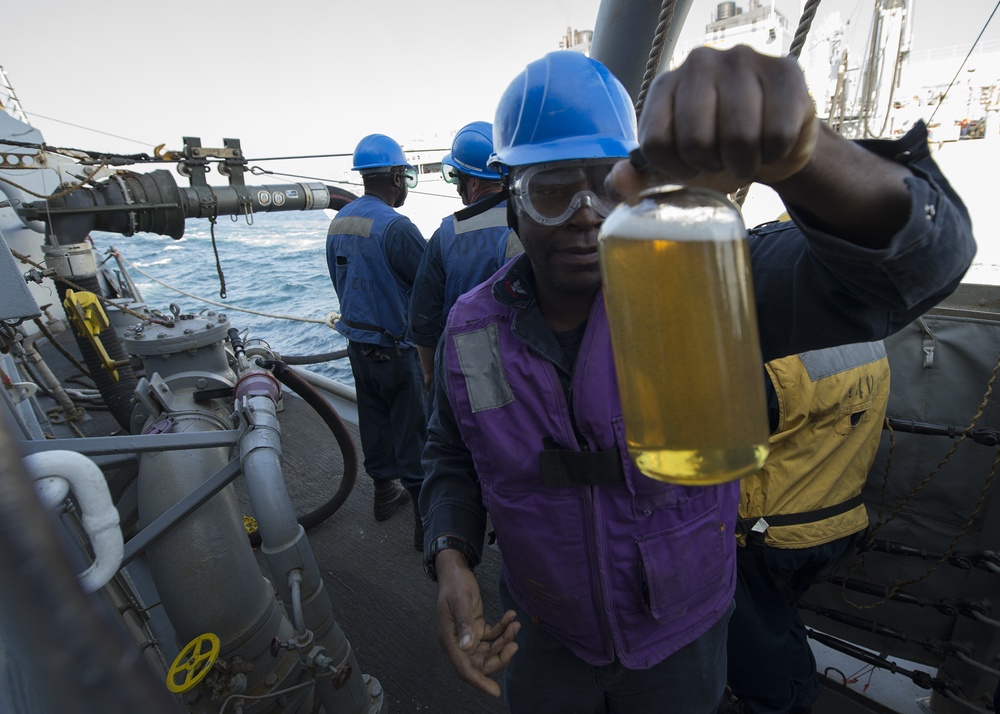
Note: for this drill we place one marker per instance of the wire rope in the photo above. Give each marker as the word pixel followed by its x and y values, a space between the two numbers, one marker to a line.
pixel 328 320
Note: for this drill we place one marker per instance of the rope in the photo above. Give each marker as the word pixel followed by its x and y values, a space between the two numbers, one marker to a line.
pixel 898 585
pixel 66 281
pixel 798 41
pixel 328 320
pixel 331 156
pixel 663 22
pixel 79 154
pixel 257 171
pixel 44 329
pixel 805 23
pixel 218 262
pixel 66 191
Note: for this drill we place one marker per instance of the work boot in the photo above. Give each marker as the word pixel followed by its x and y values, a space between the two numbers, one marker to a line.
pixel 389 496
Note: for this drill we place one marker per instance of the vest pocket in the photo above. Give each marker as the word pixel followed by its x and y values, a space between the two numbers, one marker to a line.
pixel 549 570
pixel 685 567
pixel 850 416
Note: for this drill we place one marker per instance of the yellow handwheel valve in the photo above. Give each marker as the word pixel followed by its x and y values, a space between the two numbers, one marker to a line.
pixel 193 663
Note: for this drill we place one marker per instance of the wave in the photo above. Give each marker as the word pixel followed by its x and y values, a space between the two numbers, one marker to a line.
pixel 275 266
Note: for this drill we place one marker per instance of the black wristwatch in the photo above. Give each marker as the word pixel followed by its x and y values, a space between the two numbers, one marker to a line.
pixel 446 542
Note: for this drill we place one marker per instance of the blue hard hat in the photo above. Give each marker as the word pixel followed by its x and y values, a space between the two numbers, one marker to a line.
pixel 563 106
pixel 471 150
pixel 378 151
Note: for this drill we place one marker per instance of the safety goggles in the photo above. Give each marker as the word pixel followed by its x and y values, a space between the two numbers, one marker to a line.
pixel 409 176
pixel 408 173
pixel 551 193
pixel 450 173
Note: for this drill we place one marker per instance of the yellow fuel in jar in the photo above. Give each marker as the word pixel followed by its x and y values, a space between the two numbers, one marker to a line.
pixel 675 266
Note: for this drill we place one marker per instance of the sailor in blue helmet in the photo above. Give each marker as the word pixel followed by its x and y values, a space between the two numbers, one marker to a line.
pixel 468 247
pixel 372 252
pixel 619 588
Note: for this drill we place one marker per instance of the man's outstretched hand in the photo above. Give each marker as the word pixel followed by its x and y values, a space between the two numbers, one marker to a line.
pixel 476 649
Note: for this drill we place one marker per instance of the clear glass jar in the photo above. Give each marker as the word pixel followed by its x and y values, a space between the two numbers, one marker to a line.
pixel 675 265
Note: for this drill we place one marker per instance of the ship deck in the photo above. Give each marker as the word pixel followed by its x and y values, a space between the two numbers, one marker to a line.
pixel 381 598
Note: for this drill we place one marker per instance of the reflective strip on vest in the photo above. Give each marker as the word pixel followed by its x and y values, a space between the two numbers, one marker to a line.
pixel 493 218
pixel 828 362
pixel 479 358
pixel 352 226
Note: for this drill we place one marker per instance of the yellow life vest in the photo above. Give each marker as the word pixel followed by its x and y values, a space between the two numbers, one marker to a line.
pixel 832 408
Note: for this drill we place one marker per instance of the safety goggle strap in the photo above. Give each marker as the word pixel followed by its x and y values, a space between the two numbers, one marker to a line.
pixel 409 173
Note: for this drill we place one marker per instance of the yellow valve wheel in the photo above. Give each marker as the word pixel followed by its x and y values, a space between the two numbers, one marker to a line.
pixel 193 663
pixel 250 524
pixel 88 317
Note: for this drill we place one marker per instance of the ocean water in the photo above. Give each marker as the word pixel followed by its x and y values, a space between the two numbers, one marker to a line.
pixel 276 265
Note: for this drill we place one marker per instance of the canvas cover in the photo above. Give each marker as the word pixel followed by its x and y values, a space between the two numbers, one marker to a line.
pixel 926 494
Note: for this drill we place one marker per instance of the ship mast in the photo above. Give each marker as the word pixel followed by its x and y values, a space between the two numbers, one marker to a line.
pixel 9 100
pixel 888 48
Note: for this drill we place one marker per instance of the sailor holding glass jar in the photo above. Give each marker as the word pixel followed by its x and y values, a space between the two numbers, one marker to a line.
pixel 619 587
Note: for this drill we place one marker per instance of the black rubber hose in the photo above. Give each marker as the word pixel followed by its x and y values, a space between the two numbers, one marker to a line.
pixel 339 197
pixel 117 395
pixel 313 359
pixel 336 425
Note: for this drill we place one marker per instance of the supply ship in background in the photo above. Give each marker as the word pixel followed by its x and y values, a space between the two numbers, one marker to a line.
pixel 182 526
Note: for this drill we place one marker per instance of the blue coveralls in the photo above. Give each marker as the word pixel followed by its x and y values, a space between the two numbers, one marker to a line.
pixel 460 255
pixel 372 253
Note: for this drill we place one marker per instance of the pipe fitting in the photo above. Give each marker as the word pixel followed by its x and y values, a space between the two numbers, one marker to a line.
pixel 99 515
pixel 258 384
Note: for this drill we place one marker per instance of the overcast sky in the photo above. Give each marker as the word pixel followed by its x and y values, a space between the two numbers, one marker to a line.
pixel 286 78
pixel 309 77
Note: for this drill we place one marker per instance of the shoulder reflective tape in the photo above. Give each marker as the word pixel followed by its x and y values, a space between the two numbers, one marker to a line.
pixel 479 359
pixel 493 218
pixel 824 363
pixel 352 226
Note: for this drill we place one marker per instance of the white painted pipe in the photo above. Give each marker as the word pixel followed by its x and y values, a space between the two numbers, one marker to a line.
pixel 99 515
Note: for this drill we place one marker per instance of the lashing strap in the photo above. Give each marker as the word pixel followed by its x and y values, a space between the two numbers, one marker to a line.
pixel 565 467
pixel 745 525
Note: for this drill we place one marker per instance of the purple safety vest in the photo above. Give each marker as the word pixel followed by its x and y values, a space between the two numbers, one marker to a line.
pixel 634 569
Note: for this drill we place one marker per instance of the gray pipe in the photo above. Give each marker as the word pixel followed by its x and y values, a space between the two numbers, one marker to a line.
pixel 31 355
pixel 623 36
pixel 54 473
pixel 204 569
pixel 63 645
pixel 284 545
